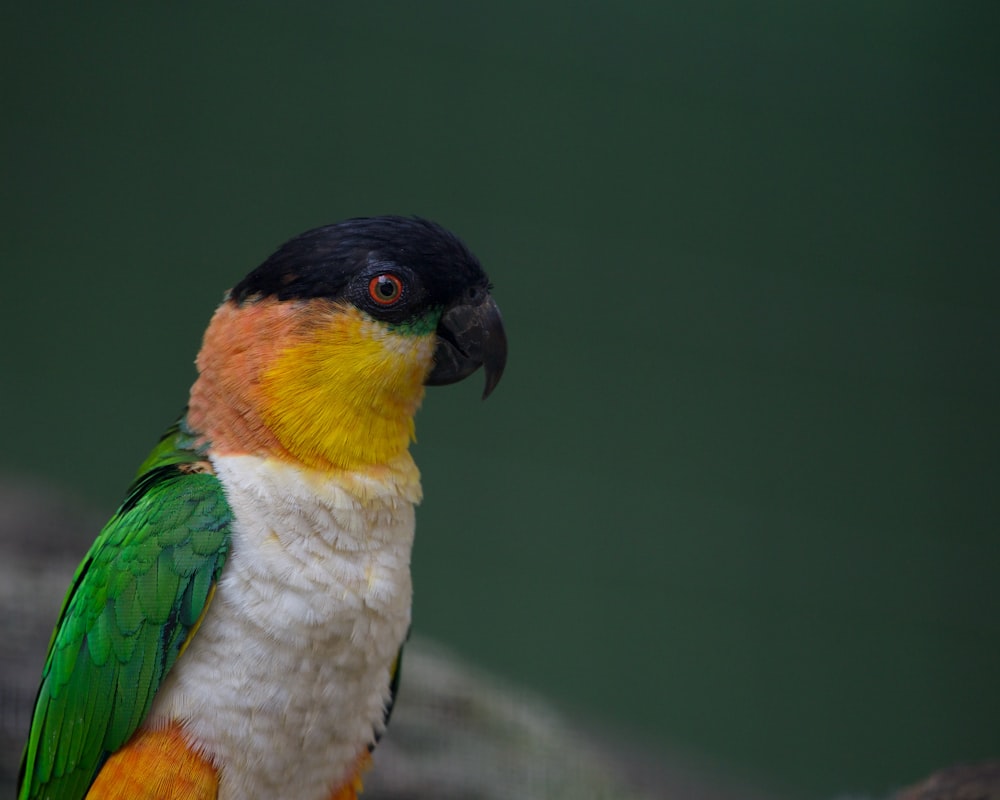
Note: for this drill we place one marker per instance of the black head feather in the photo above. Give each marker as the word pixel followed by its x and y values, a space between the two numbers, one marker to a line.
pixel 336 262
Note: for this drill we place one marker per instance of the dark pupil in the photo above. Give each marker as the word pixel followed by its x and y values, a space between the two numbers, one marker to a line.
pixel 386 288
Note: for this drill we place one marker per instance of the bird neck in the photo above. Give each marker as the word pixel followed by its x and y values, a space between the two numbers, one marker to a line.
pixel 323 387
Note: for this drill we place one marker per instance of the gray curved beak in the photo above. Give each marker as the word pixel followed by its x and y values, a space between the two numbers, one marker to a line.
pixel 470 336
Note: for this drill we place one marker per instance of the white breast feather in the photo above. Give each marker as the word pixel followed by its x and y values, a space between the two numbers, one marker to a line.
pixel 287 679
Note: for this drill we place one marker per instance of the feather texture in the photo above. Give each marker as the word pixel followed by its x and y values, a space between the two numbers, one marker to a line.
pixel 133 603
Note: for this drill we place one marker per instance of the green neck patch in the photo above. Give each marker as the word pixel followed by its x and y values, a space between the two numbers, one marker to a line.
pixel 418 326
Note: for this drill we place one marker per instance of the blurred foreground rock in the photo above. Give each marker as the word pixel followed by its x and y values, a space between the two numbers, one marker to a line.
pixel 456 733
pixel 962 782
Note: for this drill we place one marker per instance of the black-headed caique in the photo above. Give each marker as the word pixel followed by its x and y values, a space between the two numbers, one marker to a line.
pixel 236 628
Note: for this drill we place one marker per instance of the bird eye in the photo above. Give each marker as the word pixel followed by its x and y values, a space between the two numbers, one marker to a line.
pixel 385 289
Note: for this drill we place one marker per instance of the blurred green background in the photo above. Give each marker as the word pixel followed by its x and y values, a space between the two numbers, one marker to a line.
pixel 737 492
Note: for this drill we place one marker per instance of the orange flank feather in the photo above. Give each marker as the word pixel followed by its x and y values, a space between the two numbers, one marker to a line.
pixel 352 788
pixel 330 390
pixel 156 764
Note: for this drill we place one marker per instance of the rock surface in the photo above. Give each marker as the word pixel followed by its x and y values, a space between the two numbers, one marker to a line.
pixel 961 782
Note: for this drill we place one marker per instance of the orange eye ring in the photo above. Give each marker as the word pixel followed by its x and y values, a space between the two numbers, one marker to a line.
pixel 385 289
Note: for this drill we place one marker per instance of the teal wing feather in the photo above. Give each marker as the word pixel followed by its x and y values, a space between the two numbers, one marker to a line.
pixel 134 601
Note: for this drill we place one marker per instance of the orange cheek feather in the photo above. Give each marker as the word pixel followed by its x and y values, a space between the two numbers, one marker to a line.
pixel 225 402
pixel 308 383
pixel 156 765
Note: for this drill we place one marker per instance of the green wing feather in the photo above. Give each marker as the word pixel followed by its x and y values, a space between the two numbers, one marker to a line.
pixel 134 601
pixel 396 673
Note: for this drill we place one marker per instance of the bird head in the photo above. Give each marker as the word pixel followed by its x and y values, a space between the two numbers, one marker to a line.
pixel 321 354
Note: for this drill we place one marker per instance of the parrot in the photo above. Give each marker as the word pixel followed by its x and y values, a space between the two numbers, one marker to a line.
pixel 235 630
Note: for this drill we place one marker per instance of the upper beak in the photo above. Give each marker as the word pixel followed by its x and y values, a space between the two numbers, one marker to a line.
pixel 470 335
